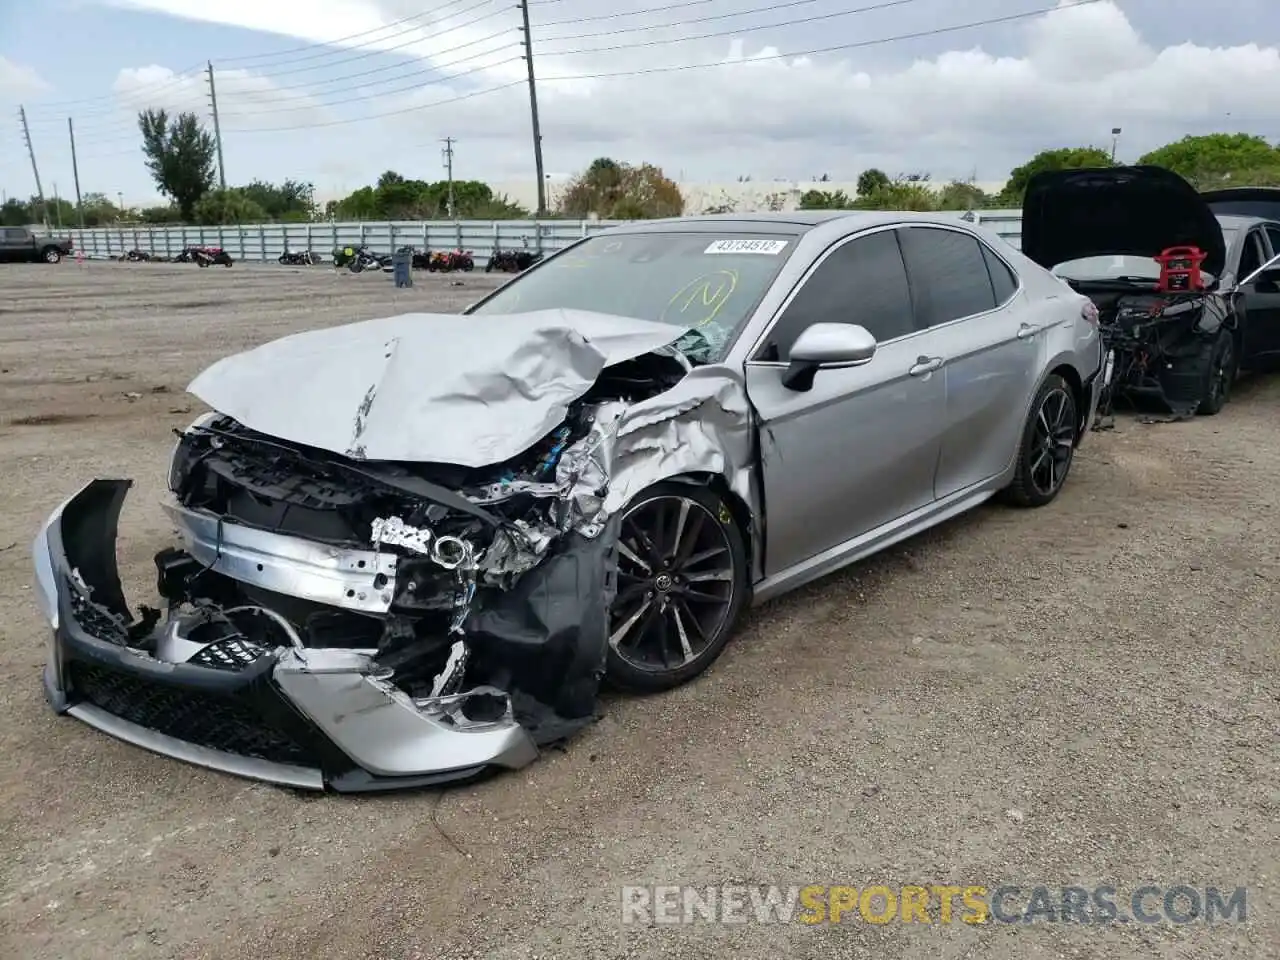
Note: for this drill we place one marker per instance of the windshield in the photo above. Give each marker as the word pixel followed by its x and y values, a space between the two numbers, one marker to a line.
pixel 1111 268
pixel 708 282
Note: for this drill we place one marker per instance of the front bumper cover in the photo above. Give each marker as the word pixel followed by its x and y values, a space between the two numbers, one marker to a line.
pixel 303 718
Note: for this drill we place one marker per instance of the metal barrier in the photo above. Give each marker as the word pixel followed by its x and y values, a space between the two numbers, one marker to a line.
pixel 265 242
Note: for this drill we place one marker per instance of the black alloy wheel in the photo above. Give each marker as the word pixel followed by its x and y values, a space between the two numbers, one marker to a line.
pixel 682 584
pixel 1048 445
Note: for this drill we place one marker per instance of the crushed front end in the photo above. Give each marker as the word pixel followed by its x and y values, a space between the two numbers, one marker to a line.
pixel 1160 344
pixel 336 623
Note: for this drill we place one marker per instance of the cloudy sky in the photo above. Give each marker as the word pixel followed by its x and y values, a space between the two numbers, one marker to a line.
pixel 336 91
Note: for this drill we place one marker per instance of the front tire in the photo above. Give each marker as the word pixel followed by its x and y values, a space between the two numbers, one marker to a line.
pixel 1047 447
pixel 1219 375
pixel 683 582
pixel 51 255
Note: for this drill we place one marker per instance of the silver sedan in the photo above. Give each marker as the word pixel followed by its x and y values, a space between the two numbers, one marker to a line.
pixel 411 548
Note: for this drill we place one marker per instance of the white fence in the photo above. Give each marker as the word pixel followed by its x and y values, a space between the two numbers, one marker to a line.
pixel 265 242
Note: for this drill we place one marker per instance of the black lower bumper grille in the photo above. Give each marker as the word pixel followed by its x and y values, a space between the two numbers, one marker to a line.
pixel 223 723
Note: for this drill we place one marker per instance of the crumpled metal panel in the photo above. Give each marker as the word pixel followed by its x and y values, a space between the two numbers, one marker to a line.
pixel 438 388
pixel 701 425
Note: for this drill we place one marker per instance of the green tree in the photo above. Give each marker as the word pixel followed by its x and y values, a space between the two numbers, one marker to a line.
pixel 620 191
pixel 826 200
pixel 1064 158
pixel 16 213
pixel 169 214
pixel 869 181
pixel 98 210
pixel 1216 159
pixel 395 197
pixel 179 154
pixel 959 195
pixel 291 200
pixel 900 195
pixel 227 206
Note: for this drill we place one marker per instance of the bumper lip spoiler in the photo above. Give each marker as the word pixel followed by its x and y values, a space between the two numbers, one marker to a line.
pixel 366 737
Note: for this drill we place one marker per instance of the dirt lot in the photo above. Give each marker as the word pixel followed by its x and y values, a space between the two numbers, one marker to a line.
pixel 1085 694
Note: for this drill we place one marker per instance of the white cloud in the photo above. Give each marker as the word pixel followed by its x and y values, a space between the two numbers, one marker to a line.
pixel 17 80
pixel 244 99
pixel 996 97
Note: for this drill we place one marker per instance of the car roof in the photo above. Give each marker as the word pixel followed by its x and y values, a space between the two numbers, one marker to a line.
pixel 788 222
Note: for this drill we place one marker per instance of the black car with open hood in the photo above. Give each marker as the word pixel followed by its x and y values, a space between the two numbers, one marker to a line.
pixel 1149 251
pixel 1116 211
pixel 1260 202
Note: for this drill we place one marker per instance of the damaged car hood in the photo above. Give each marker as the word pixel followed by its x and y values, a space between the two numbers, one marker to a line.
pixel 1135 211
pixel 430 388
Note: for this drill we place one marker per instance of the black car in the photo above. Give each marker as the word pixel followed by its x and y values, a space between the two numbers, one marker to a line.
pixel 1178 333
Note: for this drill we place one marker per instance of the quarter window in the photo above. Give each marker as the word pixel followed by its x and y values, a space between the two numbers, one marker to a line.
pixel 948 272
pixel 1251 257
pixel 1273 234
pixel 862 281
pixel 1003 281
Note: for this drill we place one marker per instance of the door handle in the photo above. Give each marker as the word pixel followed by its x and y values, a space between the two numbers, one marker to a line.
pixel 1026 330
pixel 925 365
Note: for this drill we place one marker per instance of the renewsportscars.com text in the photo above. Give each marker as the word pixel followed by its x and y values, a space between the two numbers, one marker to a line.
pixel 930 903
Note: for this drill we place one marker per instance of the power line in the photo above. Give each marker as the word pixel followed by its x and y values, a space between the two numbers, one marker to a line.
pixel 421 71
pixel 938 31
pixel 181 75
pixel 381 93
pixel 388 113
pixel 196 72
pixel 629 13
pixel 885 5
pixel 338 40
pixel 399 46
pixel 921 34
pixel 731 32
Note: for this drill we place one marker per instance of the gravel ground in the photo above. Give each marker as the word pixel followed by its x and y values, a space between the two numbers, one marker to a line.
pixel 1084 694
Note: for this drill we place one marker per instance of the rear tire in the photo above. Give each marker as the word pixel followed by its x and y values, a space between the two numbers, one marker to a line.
pixel 1047 447
pixel 683 582
pixel 1220 374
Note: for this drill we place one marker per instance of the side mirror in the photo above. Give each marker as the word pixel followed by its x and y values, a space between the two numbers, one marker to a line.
pixel 827 346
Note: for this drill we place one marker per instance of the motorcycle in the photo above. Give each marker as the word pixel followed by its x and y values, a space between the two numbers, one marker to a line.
pixel 511 261
pixel 304 259
pixel 136 256
pixel 421 258
pixel 207 256
pixel 448 261
pixel 365 259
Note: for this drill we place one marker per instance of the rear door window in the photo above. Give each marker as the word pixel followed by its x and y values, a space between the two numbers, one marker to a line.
pixel 948 275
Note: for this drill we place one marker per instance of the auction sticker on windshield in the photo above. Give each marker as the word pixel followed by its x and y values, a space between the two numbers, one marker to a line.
pixel 770 248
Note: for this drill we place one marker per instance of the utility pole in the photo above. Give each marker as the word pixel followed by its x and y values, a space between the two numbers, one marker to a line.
pixel 217 130
pixel 26 135
pixel 75 172
pixel 533 109
pixel 448 168
pixel 57 206
pixel 1115 137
